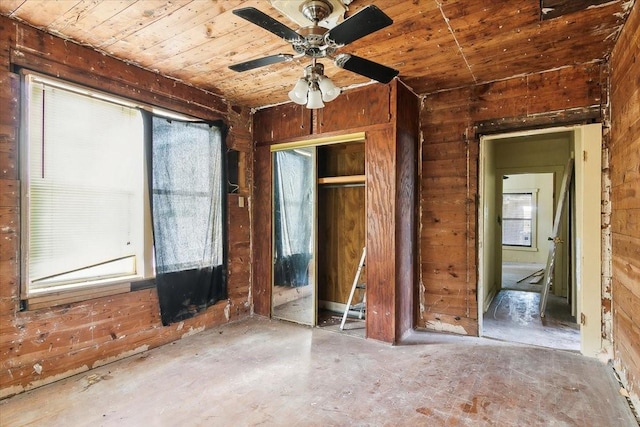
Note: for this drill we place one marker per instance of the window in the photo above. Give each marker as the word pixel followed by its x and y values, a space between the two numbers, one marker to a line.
pixel 87 214
pixel 517 219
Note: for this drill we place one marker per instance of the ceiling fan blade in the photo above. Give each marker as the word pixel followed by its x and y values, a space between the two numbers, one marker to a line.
pixel 263 20
pixel 366 68
pixel 261 62
pixel 366 21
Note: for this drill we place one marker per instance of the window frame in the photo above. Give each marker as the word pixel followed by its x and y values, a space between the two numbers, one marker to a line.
pixel 534 222
pixel 85 290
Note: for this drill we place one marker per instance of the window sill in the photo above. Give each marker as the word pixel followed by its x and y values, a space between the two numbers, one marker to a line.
pixel 53 297
pixel 519 248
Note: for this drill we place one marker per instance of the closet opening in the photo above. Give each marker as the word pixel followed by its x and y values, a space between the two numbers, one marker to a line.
pixel 319 230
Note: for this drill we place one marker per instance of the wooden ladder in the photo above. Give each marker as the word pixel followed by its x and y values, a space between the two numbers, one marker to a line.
pixel 356 285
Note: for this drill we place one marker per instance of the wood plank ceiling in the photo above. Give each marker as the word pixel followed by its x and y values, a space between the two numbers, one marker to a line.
pixel 435 44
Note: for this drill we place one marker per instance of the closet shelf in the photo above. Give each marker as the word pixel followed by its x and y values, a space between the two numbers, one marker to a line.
pixel 346 179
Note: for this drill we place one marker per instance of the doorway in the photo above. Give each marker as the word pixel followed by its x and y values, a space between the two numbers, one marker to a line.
pixel 519 173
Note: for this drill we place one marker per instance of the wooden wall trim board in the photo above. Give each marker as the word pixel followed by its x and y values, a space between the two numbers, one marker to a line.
pixel 381 245
pixel 326 140
pixel 407 134
pixel 44 345
pixel 261 248
pixel 624 162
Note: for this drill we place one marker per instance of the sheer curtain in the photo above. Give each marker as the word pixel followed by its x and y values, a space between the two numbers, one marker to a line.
pixel 293 215
pixel 188 200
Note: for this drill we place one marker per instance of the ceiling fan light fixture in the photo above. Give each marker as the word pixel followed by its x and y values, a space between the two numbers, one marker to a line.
pixel 314 97
pixel 314 89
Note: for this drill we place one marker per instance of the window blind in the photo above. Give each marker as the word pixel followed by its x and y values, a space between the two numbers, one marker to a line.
pixel 85 179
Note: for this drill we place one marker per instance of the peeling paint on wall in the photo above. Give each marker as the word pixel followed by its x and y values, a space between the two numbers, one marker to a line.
pixel 227 310
pixel 192 331
pixel 607 263
pixel 626 379
pixel 10 391
pixel 123 355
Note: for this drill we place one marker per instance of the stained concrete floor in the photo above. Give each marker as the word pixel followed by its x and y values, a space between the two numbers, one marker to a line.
pixel 273 373
pixel 514 316
pixel 514 313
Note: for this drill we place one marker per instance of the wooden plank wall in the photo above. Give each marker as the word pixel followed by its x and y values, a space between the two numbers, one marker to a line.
pixel 341 225
pixel 451 123
pixel 41 346
pixel 341 221
pixel 625 202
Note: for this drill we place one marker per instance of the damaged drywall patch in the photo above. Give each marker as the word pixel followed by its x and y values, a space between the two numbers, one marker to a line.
pixel 440 326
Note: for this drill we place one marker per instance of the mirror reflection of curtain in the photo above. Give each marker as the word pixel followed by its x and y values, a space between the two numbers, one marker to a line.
pixel 293 216
pixel 188 212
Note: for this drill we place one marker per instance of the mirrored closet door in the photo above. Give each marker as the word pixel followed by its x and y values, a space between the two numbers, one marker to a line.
pixel 294 219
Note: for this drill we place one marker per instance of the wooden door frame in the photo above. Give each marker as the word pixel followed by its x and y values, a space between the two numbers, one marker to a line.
pixel 587 142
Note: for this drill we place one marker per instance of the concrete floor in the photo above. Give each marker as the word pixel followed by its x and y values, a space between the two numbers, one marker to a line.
pixel 514 316
pixel 514 313
pixel 274 373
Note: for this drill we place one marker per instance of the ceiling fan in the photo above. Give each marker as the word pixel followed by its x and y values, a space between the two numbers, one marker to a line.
pixel 316 42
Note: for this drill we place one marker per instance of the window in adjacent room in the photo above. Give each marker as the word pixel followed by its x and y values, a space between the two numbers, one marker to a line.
pixel 518 219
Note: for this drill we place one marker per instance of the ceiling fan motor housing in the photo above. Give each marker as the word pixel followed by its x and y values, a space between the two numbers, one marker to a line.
pixel 316 10
pixel 313 42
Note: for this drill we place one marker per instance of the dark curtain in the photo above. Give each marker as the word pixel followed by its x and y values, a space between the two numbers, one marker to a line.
pixel 187 177
pixel 293 214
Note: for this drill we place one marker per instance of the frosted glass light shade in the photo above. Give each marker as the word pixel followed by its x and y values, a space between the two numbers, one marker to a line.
pixel 329 90
pixel 299 92
pixel 295 98
pixel 315 99
pixel 301 88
